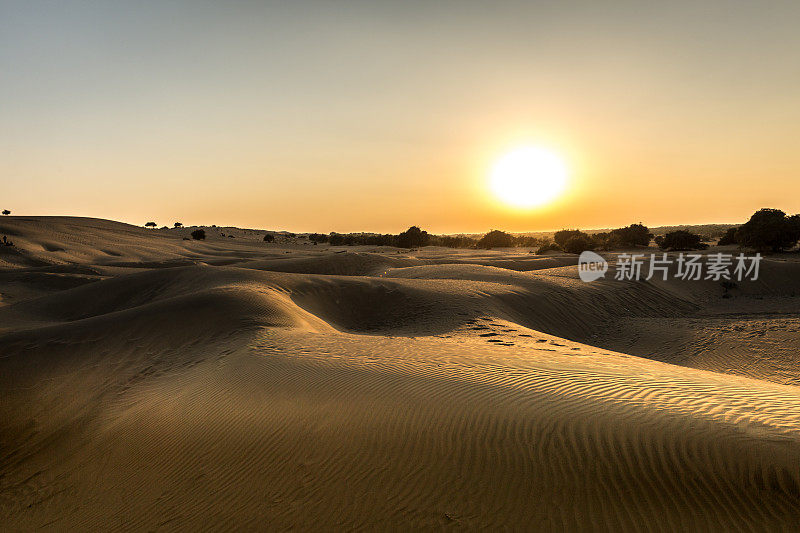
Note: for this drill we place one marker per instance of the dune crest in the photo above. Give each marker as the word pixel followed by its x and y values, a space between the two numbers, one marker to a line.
pixel 155 383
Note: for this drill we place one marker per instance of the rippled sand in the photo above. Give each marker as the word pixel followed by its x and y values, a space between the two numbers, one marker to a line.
pixel 154 383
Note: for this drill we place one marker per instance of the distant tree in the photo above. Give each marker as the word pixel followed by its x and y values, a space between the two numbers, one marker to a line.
pixel 413 237
pixel 318 237
pixel 178 225
pixel 150 225
pixel 561 237
pixel 269 237
pixel 769 230
pixel 452 241
pixel 578 244
pixel 199 234
pixel 729 237
pixel 681 240
pixel 496 239
pixel 633 235
pixel 529 242
pixel 6 212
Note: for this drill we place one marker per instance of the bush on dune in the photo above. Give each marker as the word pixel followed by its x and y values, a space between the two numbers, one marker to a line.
pixel 574 241
pixel 269 237
pixel 452 241
pixel 729 237
pixel 601 241
pixel 413 237
pixel 578 244
pixel 496 239
pixel 529 242
pixel 681 240
pixel 561 237
pixel 633 235
pixel 548 247
pixel 769 230
pixel 199 234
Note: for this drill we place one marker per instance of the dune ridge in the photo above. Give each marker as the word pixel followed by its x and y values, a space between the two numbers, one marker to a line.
pixel 384 390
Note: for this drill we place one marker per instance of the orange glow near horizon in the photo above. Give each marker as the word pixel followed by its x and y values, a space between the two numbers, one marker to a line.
pixel 315 117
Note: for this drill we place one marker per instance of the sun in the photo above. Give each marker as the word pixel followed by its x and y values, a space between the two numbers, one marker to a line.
pixel 530 176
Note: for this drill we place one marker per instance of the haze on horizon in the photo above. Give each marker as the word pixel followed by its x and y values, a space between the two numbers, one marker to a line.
pixel 371 116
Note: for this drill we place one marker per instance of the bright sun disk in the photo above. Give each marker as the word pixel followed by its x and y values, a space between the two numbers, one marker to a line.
pixel 530 176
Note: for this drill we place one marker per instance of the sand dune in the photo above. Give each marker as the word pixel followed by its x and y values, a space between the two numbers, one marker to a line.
pixel 155 383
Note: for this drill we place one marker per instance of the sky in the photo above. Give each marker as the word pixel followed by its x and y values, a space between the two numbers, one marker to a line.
pixel 373 116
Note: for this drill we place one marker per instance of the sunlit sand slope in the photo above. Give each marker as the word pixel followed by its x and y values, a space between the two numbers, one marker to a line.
pixel 424 395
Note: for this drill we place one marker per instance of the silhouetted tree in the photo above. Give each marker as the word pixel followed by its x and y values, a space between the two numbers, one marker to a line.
pixel 199 234
pixel 178 225
pixel 561 237
pixel 150 225
pixel 269 237
pixel 452 241
pixel 413 237
pixel 681 240
pixel 601 241
pixel 318 237
pixel 496 239
pixel 633 235
pixel 578 244
pixel 769 229
pixel 526 241
pixel 729 237
pixel 6 212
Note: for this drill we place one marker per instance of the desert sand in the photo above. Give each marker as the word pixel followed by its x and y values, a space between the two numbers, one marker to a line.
pixel 155 383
